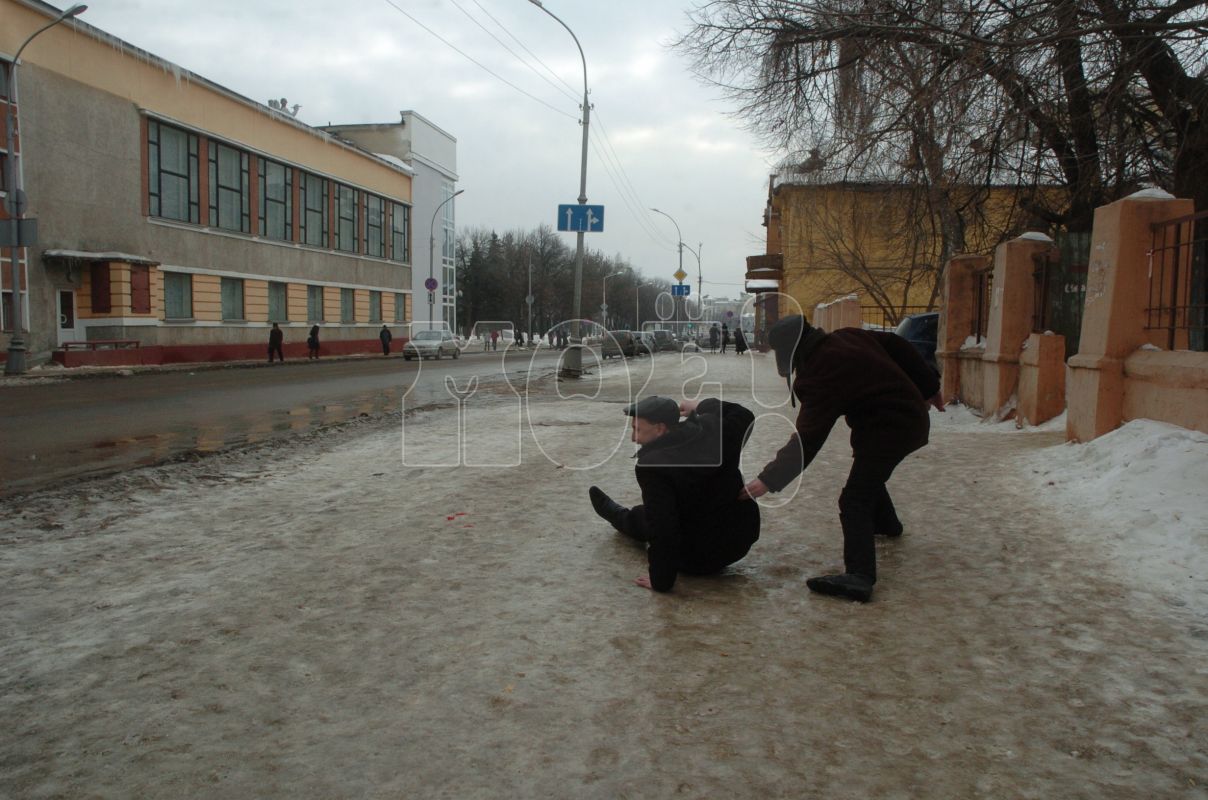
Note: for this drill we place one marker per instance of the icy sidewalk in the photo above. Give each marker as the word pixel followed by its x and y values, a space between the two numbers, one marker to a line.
pixel 329 623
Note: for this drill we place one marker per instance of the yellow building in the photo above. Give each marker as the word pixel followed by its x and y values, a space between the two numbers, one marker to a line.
pixel 875 240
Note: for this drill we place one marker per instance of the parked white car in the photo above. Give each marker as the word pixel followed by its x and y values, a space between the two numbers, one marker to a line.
pixel 431 344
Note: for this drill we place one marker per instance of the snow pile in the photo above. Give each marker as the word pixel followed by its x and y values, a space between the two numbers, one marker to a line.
pixel 963 419
pixel 1142 487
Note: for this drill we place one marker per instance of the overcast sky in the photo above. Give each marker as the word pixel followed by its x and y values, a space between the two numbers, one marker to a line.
pixel 660 138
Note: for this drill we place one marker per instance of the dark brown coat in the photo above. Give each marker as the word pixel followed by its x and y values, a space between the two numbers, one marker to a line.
pixel 878 381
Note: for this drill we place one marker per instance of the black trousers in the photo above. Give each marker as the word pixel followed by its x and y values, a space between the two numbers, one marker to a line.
pixel 275 349
pixel 866 509
pixel 698 561
pixel 385 348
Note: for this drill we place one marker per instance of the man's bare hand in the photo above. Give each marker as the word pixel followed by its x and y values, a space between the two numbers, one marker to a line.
pixel 688 406
pixel 755 488
pixel 936 400
pixel 644 582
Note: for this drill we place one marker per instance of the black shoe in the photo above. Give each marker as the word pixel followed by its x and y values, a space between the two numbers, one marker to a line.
pixel 610 510
pixel 891 531
pixel 853 587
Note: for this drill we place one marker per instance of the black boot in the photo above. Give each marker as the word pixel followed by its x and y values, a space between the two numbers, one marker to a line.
pixel 851 586
pixel 610 510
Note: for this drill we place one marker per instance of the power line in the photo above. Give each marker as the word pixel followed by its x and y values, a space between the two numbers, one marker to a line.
pixel 649 224
pixel 530 52
pixel 503 44
pixel 469 58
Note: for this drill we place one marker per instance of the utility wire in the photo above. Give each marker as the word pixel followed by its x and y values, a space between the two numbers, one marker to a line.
pixel 525 47
pixel 504 45
pixel 479 64
pixel 649 225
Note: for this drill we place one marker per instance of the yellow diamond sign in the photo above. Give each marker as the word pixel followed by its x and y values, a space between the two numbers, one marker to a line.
pixel 680 275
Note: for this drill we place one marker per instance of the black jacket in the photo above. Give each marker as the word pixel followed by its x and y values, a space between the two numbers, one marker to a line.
pixel 877 381
pixel 690 483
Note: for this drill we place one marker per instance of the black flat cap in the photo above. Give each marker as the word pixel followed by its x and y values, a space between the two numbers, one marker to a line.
pixel 655 409
pixel 784 337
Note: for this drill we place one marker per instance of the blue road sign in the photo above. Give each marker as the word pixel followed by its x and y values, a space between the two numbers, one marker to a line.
pixel 574 217
pixel 681 290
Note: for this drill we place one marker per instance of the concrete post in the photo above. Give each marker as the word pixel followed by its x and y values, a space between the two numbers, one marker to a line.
pixel 1113 319
pixel 956 319
pixel 1010 323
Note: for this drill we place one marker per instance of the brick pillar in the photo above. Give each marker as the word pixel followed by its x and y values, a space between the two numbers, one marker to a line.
pixel 1010 323
pixel 1113 319
pixel 956 319
pixel 846 313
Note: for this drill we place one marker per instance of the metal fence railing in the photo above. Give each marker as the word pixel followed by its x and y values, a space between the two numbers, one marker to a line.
pixel 1178 282
pixel 983 285
pixel 881 318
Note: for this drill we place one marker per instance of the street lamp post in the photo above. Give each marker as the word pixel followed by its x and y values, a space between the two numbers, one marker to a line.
pixel 604 299
pixel 572 364
pixel 15 200
pixel 432 258
pixel 680 238
pixel 700 282
pixel 637 303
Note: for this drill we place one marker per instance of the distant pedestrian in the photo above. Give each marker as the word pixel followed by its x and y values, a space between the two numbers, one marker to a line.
pixel 520 338
pixel 725 337
pixel 714 337
pixel 495 340
pixel 386 337
pixel 740 341
pixel 312 343
pixel 276 338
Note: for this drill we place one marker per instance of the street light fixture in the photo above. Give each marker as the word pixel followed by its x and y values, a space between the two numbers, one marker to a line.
pixel 604 298
pixel 15 200
pixel 572 365
pixel 680 238
pixel 432 258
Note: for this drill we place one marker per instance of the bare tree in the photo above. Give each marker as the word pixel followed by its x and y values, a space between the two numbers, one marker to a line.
pixel 1097 96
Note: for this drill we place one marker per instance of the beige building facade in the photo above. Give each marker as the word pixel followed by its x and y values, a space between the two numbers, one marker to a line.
pixel 182 219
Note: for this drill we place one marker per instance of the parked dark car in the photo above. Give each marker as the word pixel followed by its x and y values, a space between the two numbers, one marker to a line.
pixel 618 343
pixel 921 331
pixel 664 339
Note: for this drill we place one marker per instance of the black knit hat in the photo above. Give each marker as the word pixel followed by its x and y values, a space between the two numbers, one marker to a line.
pixel 655 409
pixel 784 337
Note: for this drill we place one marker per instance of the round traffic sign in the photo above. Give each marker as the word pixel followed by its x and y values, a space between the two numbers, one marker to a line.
pixel 430 284
pixel 729 313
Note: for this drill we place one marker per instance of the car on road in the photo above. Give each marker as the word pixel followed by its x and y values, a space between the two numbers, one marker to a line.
pixel 921 330
pixel 645 344
pixel 431 344
pixel 619 343
pixel 664 339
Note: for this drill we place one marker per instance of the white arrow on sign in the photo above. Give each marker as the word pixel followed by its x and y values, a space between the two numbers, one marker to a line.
pixel 570 215
pixel 591 219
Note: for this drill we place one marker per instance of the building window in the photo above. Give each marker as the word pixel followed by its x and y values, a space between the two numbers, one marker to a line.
pixel 314 303
pixel 102 296
pixel 400 308
pixel 400 229
pixel 140 289
pixel 375 226
pixel 277 309
pixel 276 200
pixel 232 298
pixel 229 197
pixel 375 306
pixel 4 68
pixel 346 218
pixel 178 295
pixel 314 209
pixel 172 164
pixel 347 306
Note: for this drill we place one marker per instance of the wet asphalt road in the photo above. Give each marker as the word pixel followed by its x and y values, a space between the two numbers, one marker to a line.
pixel 53 432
